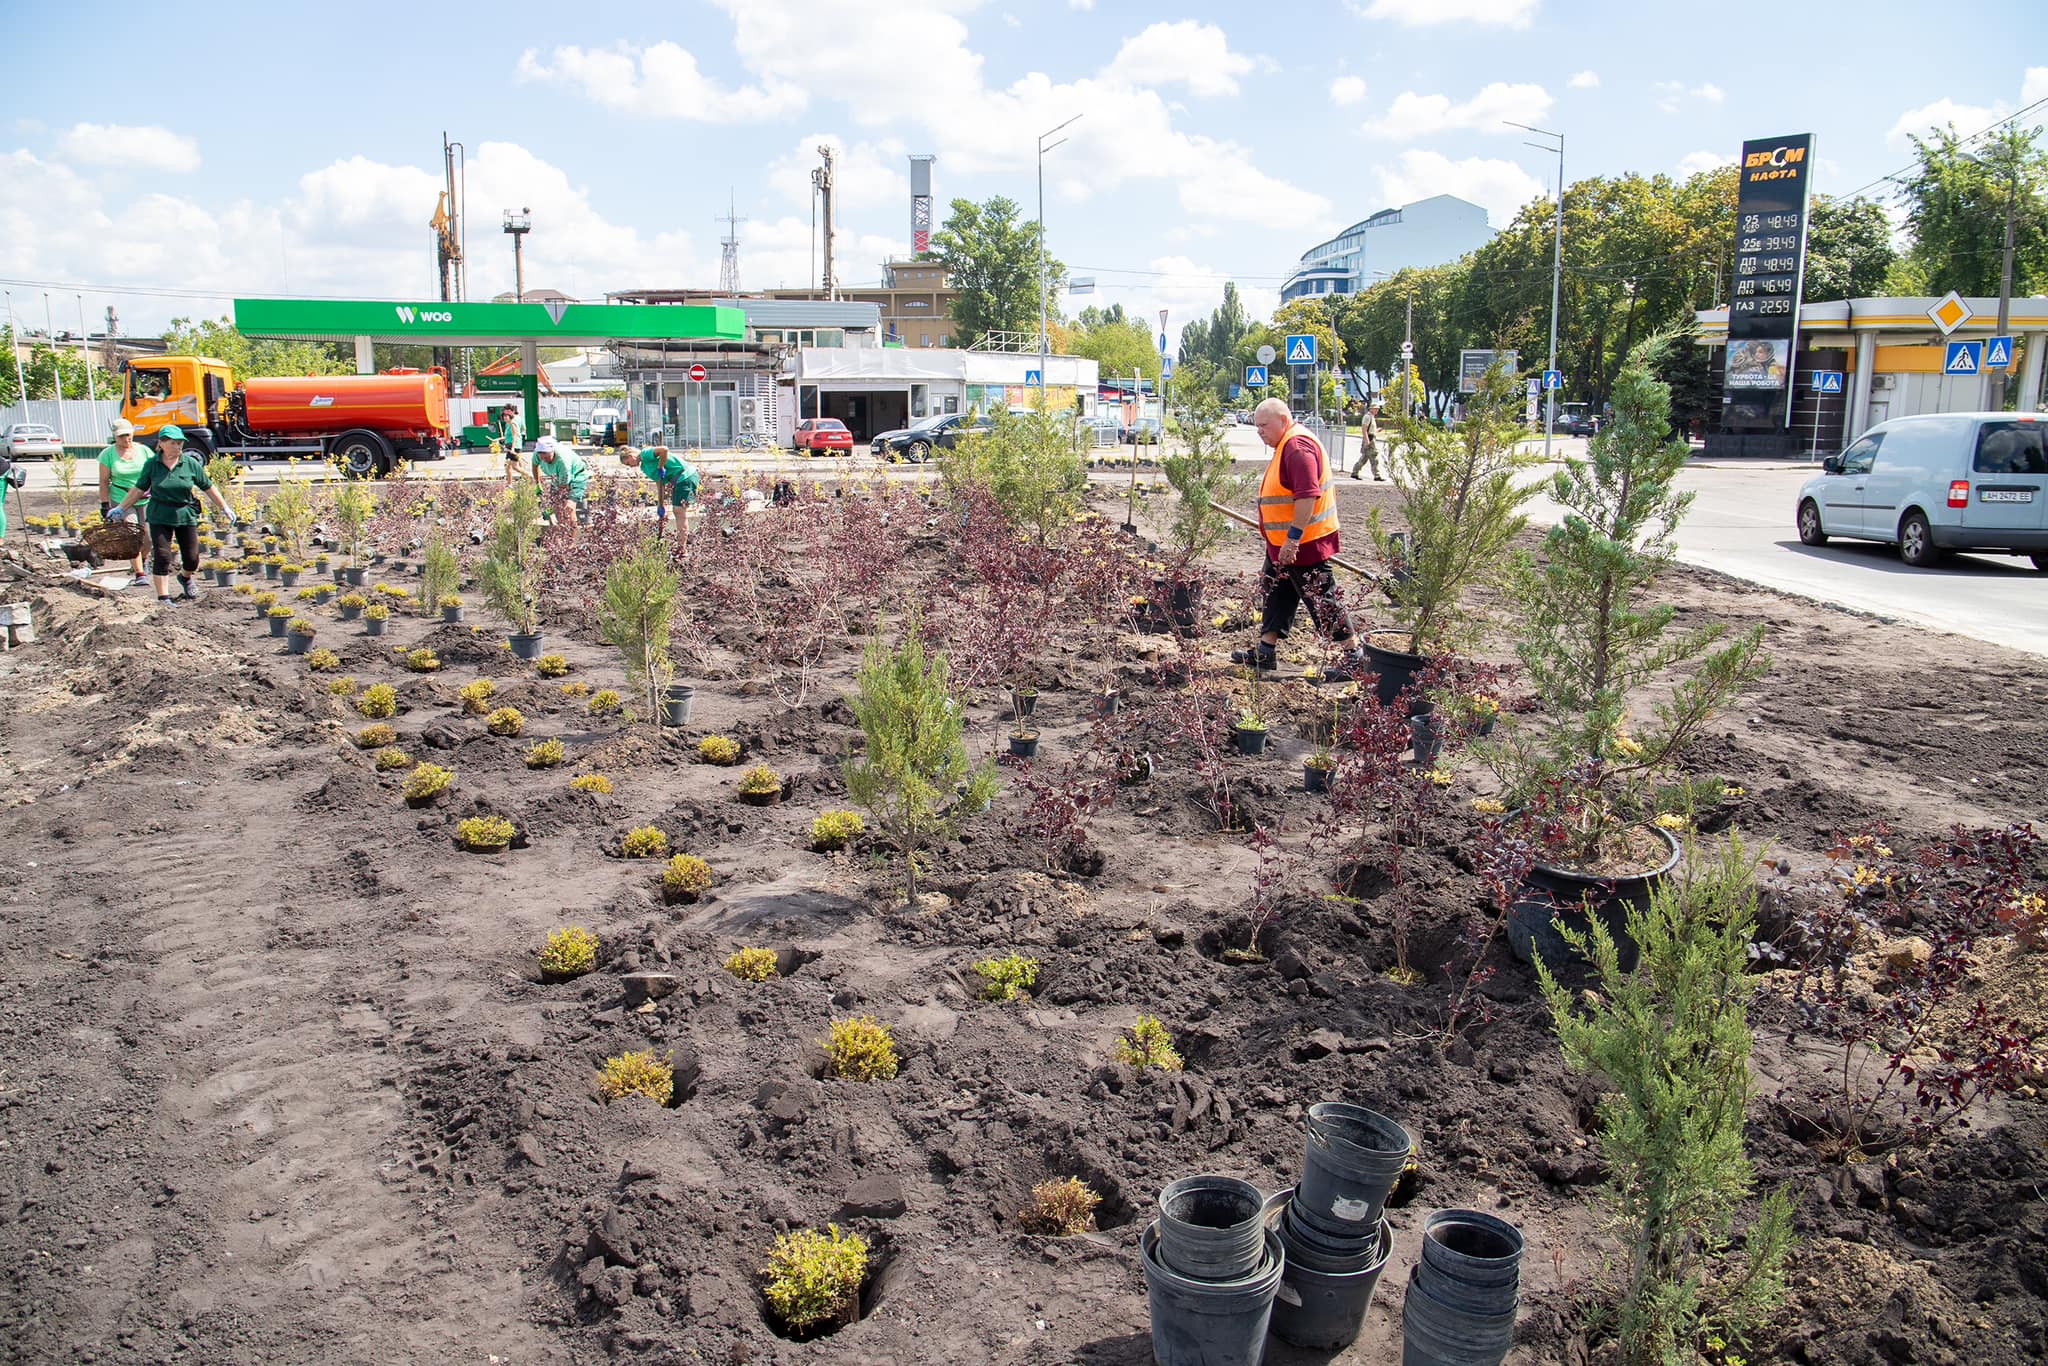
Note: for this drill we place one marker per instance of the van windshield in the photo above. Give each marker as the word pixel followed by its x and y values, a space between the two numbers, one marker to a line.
pixel 2012 448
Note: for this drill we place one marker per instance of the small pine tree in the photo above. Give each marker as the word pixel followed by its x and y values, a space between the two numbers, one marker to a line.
pixel 439 571
pixel 916 752
pixel 352 508
pixel 1201 478
pixel 636 616
pixel 1027 463
pixel 1672 1040
pixel 510 571
pixel 1461 495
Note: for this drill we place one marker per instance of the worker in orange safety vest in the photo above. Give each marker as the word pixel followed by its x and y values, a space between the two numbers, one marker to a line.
pixel 1298 517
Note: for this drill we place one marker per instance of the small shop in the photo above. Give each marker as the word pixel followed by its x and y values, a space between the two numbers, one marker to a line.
pixel 882 389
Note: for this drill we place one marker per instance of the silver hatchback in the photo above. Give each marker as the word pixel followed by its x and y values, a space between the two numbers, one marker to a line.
pixel 1935 483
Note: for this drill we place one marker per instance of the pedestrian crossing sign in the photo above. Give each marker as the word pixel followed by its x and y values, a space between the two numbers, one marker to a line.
pixel 1964 358
pixel 1301 349
pixel 1998 353
pixel 1255 377
pixel 1827 381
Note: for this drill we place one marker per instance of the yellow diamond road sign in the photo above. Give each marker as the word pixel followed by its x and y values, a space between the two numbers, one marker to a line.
pixel 1950 313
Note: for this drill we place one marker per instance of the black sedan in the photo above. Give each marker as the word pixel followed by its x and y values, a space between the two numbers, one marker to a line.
pixel 917 441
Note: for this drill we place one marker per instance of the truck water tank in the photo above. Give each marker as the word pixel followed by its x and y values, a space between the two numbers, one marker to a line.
pixel 415 403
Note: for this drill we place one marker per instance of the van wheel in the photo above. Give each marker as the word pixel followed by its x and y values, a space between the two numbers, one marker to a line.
pixel 1810 532
pixel 1916 542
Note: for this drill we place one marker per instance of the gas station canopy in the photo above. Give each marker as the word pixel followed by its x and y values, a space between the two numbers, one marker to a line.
pixel 436 323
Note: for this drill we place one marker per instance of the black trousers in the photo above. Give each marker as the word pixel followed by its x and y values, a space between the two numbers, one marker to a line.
pixel 1286 587
pixel 160 539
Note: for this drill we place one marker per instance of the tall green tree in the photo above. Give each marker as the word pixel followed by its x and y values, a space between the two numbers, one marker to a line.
pixel 1118 346
pixel 50 372
pixel 991 257
pixel 1956 203
pixel 1848 249
pixel 219 339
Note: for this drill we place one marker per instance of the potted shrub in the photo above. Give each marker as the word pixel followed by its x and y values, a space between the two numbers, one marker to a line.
pixel 451 607
pixel 352 508
pixel 427 784
pixel 1462 492
pixel 833 830
pixel 636 616
pixel 289 575
pixel 1023 701
pixel 484 834
pixel 1023 737
pixel 510 572
pixel 1317 768
pixel 1248 732
pixel 718 749
pixel 686 878
pixel 322 594
pixel 273 563
pixel 1585 780
pixel 762 786
pixel 352 605
pixel 570 952
pixel 279 617
pixel 299 636
pixel 375 618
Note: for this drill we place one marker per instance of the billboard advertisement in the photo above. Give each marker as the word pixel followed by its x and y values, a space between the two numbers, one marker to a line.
pixel 1773 177
pixel 1473 364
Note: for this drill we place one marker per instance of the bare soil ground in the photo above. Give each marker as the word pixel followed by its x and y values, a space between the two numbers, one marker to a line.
pixel 279 1080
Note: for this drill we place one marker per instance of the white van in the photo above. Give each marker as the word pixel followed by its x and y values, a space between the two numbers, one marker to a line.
pixel 1935 483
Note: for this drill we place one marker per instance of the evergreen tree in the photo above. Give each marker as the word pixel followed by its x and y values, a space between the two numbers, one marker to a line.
pixel 509 573
pixel 636 615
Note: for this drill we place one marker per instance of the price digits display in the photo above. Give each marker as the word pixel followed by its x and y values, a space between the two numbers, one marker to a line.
pixel 1770 259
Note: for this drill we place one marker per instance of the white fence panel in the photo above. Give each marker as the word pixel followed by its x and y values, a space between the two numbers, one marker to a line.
pixel 78 421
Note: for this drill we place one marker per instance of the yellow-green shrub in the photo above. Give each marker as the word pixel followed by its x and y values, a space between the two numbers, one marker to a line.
pixel 859 1049
pixel 570 950
pixel 551 666
pixel 546 754
pixel 390 759
pixel 1008 977
pixel 505 721
pixel 644 842
pixel 594 783
pixel 426 780
pixel 375 737
pixel 422 660
pixel 483 832
pixel 378 701
pixel 686 875
pixel 835 829
pixel 1061 1208
pixel 344 686
pixel 752 965
pixel 761 780
pixel 813 1279
pixel 602 701
pixel 322 660
pixel 638 1074
pixel 1149 1045
pixel 718 749
pixel 575 690
pixel 476 697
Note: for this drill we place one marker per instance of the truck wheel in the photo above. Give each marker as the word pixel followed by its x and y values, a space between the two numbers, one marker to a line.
pixel 361 457
pixel 1916 541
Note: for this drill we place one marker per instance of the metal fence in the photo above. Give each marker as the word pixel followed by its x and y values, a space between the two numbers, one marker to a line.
pixel 77 421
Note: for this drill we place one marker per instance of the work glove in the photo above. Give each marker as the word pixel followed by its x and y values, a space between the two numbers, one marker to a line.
pixel 117 515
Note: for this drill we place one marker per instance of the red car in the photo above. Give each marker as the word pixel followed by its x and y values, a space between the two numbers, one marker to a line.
pixel 822 434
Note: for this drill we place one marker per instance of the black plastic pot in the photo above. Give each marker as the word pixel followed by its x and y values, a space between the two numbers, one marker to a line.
pixel 1107 702
pixel 1435 1334
pixel 1325 1309
pixel 1350 1163
pixel 1210 1323
pixel 224 577
pixel 351 613
pixel 451 614
pixel 526 645
pixel 1024 744
pixel 1471 1261
pixel 375 625
pixel 1426 732
pixel 298 644
pixel 676 702
pixel 278 626
pixel 1211 1228
pixel 1551 897
pixel 1249 740
pixel 288 578
pixel 355 575
pixel 271 571
pixel 1393 670
pixel 323 594
pixel 1315 779
pixel 761 798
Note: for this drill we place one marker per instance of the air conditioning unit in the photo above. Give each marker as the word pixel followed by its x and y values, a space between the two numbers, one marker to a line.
pixel 1880 383
pixel 750 414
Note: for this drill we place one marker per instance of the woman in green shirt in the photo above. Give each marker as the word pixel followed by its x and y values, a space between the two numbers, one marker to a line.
pixel 675 479
pixel 120 465
pixel 567 472
pixel 169 480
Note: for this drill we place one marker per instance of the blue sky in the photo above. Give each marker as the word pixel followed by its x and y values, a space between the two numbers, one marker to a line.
pixel 1217 141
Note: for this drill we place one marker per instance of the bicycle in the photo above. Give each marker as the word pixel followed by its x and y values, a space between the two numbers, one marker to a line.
pixel 752 441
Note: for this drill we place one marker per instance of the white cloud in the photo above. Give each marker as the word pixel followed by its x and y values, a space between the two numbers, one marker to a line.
pixel 1412 115
pixel 1673 95
pixel 2034 85
pixel 1347 90
pixel 1187 290
pixel 1080 4
pixel 1585 80
pixel 1422 13
pixel 1967 118
pixel 1500 187
pixel 1692 163
pixel 1195 54
pixel 661 81
pixel 147 147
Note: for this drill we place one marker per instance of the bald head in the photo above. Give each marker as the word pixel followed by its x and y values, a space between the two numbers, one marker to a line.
pixel 1271 420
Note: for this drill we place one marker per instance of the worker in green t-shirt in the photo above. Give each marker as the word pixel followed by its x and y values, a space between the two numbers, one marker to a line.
pixel 172 481
pixel 567 472
pixel 675 480
pixel 120 465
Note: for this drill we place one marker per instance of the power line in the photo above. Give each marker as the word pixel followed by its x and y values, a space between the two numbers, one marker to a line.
pixel 1965 142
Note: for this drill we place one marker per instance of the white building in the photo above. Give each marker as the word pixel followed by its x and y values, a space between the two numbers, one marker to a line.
pixel 1429 232
pixel 878 389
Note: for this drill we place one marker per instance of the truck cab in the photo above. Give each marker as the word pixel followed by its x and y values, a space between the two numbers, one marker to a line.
pixel 188 392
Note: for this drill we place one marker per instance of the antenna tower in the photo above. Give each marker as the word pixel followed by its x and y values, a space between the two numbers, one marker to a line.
pixel 729 249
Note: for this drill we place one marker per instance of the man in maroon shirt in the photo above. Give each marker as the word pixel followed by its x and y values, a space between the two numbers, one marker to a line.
pixel 1298 515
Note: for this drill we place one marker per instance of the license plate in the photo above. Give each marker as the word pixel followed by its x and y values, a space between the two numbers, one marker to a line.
pixel 2006 496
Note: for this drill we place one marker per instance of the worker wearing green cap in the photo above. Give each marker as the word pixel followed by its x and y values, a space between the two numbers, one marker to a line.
pixel 566 472
pixel 172 482
pixel 675 480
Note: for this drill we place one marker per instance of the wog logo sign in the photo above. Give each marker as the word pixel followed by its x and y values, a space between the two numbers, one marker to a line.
pixel 409 315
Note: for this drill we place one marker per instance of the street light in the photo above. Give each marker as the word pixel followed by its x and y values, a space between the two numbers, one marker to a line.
pixel 1556 269
pixel 517 225
pixel 1994 379
pixel 1044 338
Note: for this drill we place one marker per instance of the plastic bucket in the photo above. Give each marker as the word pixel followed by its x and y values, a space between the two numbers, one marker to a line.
pixel 1324 1253
pixel 1210 1323
pixel 1471 1262
pixel 1326 1309
pixel 1351 1161
pixel 676 702
pixel 1211 1227
pixel 1433 1334
pixel 525 646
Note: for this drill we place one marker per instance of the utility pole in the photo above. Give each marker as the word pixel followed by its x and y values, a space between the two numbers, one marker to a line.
pixel 1408 359
pixel 85 353
pixel 517 225
pixel 1044 336
pixel 2012 186
pixel 729 248
pixel 50 337
pixel 14 345
pixel 1556 271
pixel 821 182
pixel 108 351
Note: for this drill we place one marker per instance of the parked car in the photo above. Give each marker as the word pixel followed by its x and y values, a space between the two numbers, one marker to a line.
pixel 917 441
pixel 26 439
pixel 1143 431
pixel 821 436
pixel 1935 483
pixel 1103 429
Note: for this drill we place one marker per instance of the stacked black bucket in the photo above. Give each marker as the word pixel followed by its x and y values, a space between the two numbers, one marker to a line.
pixel 1211 1270
pixel 1464 1291
pixel 1333 1224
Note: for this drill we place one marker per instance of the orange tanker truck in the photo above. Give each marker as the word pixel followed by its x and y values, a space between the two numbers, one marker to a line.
pixel 366 423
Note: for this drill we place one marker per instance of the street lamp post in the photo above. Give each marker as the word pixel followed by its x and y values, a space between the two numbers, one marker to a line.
pixel 1556 270
pixel 1044 337
pixel 517 225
